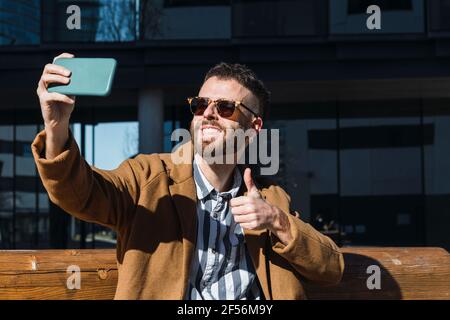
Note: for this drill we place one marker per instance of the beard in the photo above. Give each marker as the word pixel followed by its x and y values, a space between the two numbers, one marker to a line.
pixel 214 150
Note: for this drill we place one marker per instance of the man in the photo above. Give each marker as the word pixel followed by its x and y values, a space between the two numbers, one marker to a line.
pixel 196 230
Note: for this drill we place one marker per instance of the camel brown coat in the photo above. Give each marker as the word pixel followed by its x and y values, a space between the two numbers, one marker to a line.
pixel 151 203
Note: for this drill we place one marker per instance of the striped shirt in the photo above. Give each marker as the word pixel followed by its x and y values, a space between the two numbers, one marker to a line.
pixel 221 266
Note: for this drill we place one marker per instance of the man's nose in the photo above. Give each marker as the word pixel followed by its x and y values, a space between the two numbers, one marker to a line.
pixel 210 111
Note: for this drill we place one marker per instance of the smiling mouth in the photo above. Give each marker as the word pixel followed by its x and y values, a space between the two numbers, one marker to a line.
pixel 210 129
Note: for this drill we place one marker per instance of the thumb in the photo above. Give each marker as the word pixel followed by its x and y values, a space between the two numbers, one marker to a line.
pixel 251 187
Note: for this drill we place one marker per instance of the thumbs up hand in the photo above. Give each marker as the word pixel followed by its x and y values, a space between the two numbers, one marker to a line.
pixel 254 213
pixel 252 190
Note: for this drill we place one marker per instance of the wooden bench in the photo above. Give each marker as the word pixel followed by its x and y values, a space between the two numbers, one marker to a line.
pixel 406 273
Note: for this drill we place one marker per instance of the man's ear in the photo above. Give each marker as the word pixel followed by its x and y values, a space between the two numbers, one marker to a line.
pixel 257 124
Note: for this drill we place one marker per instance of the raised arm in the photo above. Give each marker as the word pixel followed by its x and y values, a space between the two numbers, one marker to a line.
pixel 100 196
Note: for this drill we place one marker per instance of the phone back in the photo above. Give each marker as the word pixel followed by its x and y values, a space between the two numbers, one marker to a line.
pixel 90 76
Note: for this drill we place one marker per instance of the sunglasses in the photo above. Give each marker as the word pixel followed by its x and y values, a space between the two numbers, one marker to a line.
pixel 225 108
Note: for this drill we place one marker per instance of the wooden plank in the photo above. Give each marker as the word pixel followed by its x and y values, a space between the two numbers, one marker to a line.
pixel 42 274
pixel 406 273
pixel 56 278
pixel 57 293
pixel 50 260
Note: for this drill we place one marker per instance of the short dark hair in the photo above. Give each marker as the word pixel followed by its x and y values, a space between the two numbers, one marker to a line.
pixel 247 78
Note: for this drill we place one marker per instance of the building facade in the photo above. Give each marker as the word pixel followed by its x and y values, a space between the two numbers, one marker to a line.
pixel 364 115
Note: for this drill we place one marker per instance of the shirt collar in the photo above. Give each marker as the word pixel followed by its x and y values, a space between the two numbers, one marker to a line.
pixel 204 188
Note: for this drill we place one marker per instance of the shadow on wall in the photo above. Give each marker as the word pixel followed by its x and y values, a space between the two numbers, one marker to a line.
pixel 354 283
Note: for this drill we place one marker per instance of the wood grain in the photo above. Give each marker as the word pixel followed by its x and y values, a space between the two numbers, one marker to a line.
pixel 406 273
pixel 43 274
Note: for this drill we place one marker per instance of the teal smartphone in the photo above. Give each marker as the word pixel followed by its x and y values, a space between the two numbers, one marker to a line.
pixel 90 76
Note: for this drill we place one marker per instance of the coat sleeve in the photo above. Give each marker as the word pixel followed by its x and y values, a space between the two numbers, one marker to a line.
pixel 315 256
pixel 106 197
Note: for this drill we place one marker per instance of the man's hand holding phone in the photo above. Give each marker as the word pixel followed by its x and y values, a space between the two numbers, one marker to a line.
pixel 56 108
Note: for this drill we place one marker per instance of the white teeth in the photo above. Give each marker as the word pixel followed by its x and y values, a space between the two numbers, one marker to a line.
pixel 210 131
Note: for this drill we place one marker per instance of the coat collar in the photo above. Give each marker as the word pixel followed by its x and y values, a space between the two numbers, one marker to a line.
pixel 204 188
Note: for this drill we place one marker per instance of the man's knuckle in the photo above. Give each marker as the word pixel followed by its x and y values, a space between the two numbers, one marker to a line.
pixel 46 96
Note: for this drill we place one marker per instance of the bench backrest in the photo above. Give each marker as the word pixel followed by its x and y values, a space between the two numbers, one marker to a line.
pixel 405 273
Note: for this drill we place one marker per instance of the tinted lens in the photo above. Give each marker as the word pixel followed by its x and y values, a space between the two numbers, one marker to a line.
pixel 199 105
pixel 225 108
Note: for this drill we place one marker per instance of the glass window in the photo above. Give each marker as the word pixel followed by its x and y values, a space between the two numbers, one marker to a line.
pixel 186 20
pixel 20 22
pixel 308 161
pixel 437 172
pixel 118 20
pixel 24 205
pixel 193 3
pixel 380 167
pixel 171 123
pixel 43 211
pixel 26 188
pixel 278 18
pixel 355 168
pixel 6 186
pixel 439 15
pixel 114 143
pixel 105 146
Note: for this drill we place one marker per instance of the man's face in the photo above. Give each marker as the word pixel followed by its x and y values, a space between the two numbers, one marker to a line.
pixel 210 129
